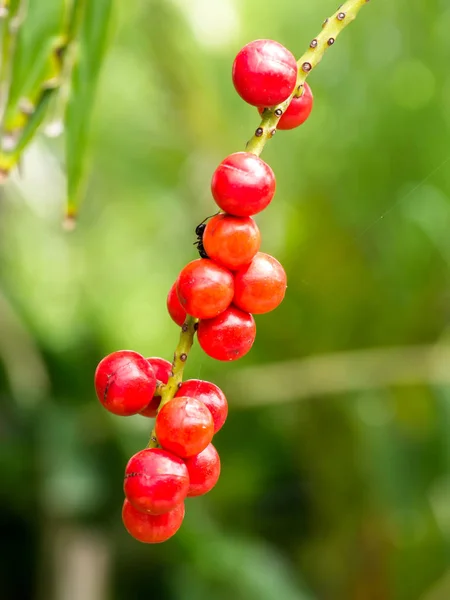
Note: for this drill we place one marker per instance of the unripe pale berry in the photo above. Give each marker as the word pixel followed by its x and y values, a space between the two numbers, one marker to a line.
pixel 204 471
pixel 205 289
pixel 124 382
pixel 162 369
pixel 298 110
pixel 211 396
pixel 228 336
pixel 184 426
pixel 151 529
pixel 264 73
pixel 155 481
pixel 231 241
pixel 174 308
pixel 243 184
pixel 260 286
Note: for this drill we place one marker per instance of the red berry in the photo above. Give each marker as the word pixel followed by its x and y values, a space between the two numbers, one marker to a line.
pixel 228 336
pixel 204 471
pixel 243 184
pixel 231 241
pixel 184 426
pixel 298 110
pixel 162 369
pixel 211 396
pixel 124 382
pixel 151 529
pixel 204 288
pixel 174 307
pixel 260 286
pixel 155 481
pixel 264 73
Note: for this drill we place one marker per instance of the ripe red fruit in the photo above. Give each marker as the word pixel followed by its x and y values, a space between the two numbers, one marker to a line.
pixel 204 471
pixel 231 241
pixel 151 529
pixel 184 426
pixel 174 308
pixel 205 289
pixel 124 382
pixel 228 336
pixel 162 369
pixel 243 184
pixel 155 481
pixel 260 286
pixel 264 73
pixel 211 396
pixel 298 110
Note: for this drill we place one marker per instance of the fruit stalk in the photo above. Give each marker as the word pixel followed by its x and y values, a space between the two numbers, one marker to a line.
pixel 331 28
pixel 169 390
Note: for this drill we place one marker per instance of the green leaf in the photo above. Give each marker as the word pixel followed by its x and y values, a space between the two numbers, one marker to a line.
pixel 93 42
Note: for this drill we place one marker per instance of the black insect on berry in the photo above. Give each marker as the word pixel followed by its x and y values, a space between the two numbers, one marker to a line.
pixel 199 231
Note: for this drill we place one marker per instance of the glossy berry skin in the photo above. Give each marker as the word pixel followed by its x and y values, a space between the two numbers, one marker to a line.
pixel 124 382
pixel 184 426
pixel 231 241
pixel 155 481
pixel 260 286
pixel 204 471
pixel 162 369
pixel 205 289
pixel 264 73
pixel 211 396
pixel 298 110
pixel 243 184
pixel 151 529
pixel 228 336
pixel 174 307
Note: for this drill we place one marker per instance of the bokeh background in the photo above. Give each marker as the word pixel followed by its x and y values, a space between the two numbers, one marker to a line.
pixel 336 455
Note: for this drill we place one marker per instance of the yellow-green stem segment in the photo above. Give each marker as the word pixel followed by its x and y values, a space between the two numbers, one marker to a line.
pixel 331 28
pixel 169 390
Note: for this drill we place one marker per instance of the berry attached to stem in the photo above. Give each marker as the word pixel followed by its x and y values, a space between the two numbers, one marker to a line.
pixel 260 286
pixel 184 426
pixel 228 336
pixel 204 471
pixel 205 289
pixel 231 241
pixel 243 184
pixel 151 529
pixel 174 307
pixel 162 369
pixel 124 382
pixel 298 110
pixel 211 396
pixel 155 481
pixel 264 73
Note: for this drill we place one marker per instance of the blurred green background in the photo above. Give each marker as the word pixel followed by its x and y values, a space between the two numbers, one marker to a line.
pixel 336 454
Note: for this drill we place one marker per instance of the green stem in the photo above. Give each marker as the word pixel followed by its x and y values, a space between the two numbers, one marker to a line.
pixel 179 361
pixel 331 28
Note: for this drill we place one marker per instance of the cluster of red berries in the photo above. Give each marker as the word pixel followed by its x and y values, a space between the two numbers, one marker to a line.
pixel 233 280
pixel 223 289
pixel 157 480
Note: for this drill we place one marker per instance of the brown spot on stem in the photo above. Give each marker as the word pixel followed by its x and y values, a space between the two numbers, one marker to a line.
pixel 331 41
pixel 341 16
pixel 259 132
pixel 306 67
pixel 314 43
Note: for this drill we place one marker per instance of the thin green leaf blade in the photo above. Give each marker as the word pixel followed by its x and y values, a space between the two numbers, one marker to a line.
pixel 92 45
